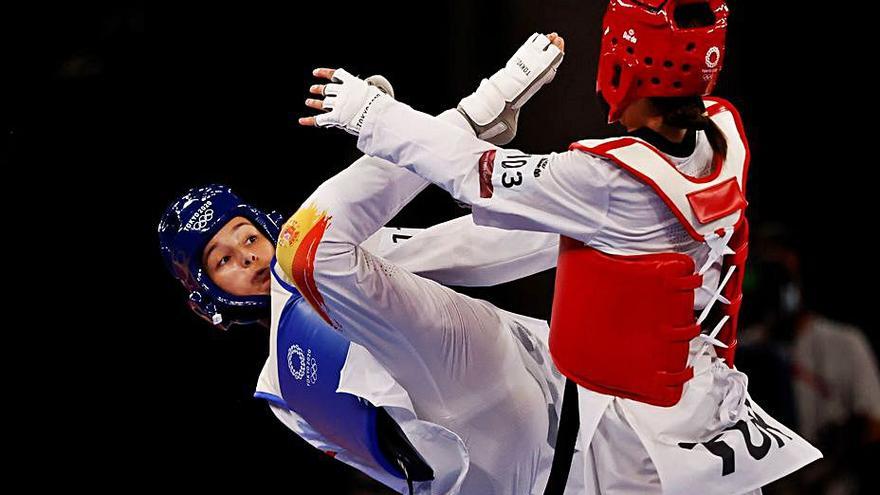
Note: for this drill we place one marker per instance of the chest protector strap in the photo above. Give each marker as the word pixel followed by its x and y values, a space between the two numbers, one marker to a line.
pixel 622 325
pixel 733 291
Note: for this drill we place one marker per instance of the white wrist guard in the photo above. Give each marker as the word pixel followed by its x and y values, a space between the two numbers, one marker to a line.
pixel 493 110
pixel 349 101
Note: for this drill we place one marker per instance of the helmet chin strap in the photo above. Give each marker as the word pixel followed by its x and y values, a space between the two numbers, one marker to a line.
pixel 603 104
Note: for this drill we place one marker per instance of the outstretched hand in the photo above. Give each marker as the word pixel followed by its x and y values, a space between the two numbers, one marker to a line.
pixel 317 89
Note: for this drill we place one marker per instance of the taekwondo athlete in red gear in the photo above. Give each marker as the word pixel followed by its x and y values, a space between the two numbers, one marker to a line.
pixel 653 239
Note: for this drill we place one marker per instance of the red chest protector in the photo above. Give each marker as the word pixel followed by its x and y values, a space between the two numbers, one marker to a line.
pixel 621 325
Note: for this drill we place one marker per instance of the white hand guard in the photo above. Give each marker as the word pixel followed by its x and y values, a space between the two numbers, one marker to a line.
pixel 348 100
pixel 493 109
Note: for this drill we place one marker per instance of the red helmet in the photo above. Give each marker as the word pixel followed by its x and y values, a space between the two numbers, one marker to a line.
pixel 660 48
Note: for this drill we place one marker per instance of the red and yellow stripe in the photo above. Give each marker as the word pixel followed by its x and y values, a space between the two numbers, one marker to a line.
pixel 296 248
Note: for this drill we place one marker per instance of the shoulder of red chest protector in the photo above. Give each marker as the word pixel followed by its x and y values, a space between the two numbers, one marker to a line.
pixel 600 148
pixel 715 106
pixel 721 105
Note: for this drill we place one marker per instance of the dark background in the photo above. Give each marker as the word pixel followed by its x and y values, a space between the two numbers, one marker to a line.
pixel 119 131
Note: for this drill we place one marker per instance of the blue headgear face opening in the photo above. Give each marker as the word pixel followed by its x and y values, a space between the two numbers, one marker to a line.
pixel 186 227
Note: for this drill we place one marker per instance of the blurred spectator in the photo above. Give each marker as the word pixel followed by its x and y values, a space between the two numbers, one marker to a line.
pixel 820 372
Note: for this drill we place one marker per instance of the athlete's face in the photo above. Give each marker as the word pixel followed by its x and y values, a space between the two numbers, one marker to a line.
pixel 237 258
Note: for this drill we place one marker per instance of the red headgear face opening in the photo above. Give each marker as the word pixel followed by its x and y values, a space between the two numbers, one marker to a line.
pixel 660 48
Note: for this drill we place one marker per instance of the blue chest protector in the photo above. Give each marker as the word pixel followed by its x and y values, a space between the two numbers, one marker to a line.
pixel 310 357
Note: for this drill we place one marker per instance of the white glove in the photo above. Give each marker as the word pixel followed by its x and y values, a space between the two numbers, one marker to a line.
pixel 493 109
pixel 349 100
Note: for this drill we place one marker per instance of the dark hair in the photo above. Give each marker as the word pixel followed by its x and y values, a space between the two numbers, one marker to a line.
pixel 689 112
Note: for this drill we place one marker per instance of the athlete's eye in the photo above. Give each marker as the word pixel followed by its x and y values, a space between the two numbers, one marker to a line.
pixel 252 239
pixel 223 261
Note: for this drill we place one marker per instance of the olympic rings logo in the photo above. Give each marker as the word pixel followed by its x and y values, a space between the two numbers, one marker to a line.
pixel 307 367
pixel 203 220
pixel 200 219
pixel 713 57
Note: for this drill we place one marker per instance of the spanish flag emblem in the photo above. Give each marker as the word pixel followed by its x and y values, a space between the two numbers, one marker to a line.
pixel 296 248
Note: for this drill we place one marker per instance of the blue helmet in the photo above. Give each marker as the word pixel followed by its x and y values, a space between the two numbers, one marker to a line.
pixel 186 227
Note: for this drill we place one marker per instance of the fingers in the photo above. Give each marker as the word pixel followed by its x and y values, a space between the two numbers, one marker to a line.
pixel 318 89
pixel 557 41
pixel 316 104
pixel 324 73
